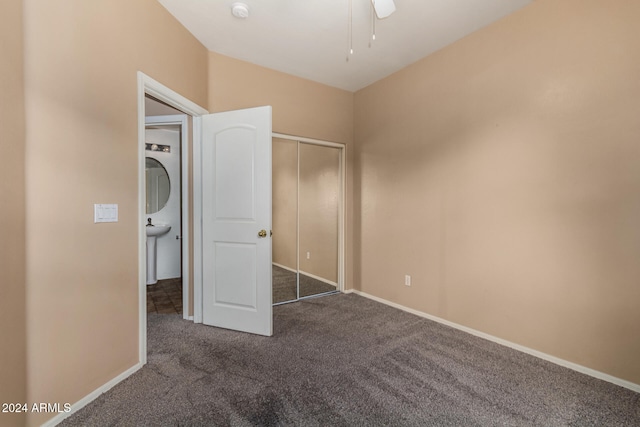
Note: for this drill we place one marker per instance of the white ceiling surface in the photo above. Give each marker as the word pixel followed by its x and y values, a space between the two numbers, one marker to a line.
pixel 309 38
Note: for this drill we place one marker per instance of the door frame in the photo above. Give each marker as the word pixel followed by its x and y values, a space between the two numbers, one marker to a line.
pixel 149 86
pixel 341 201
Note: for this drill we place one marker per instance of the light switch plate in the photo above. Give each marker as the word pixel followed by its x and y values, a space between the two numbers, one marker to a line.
pixel 103 212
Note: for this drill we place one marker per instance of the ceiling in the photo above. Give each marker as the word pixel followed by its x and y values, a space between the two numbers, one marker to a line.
pixel 310 38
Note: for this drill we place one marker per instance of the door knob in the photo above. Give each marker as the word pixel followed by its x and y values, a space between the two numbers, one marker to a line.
pixel 262 233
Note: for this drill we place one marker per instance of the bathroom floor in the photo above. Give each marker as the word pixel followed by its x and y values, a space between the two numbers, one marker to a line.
pixel 165 297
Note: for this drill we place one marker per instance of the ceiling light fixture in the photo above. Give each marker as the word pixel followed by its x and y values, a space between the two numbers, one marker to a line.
pixel 350 29
pixel 383 8
pixel 373 25
pixel 380 9
pixel 240 10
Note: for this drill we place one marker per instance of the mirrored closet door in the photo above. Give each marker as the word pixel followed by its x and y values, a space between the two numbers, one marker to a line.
pixel 307 206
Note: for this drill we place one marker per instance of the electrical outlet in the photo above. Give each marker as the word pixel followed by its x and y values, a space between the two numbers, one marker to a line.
pixel 308 255
pixel 407 280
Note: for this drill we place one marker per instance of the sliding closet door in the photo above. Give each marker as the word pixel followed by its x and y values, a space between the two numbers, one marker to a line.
pixel 318 218
pixel 285 218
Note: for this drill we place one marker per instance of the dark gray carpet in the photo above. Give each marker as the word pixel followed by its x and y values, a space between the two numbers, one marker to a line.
pixel 343 360
pixel 284 285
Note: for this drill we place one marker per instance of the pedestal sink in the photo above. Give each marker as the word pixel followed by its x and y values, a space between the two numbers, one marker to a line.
pixel 153 231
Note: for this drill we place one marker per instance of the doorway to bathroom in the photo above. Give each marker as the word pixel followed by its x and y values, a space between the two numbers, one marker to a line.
pixel 166 132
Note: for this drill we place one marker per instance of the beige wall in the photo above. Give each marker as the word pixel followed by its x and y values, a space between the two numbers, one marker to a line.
pixel 300 108
pixel 12 211
pixel 81 102
pixel 319 196
pixel 503 174
pixel 285 202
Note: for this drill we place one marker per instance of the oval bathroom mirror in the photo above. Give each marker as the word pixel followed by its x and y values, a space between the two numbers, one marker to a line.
pixel 158 185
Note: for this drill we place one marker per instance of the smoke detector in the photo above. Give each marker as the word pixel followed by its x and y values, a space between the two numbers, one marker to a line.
pixel 240 10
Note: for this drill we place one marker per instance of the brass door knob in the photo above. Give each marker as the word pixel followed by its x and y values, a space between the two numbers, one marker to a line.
pixel 262 233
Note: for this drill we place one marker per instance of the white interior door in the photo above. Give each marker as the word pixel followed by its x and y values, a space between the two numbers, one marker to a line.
pixel 236 220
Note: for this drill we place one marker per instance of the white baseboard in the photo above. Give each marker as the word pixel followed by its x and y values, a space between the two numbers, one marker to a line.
pixel 561 362
pixel 92 396
pixel 320 279
pixel 285 267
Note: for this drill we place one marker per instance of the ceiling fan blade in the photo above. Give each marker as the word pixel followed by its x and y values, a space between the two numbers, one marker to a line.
pixel 383 8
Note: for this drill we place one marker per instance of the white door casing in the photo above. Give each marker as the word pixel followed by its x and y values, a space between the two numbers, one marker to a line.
pixel 236 207
pixel 155 89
